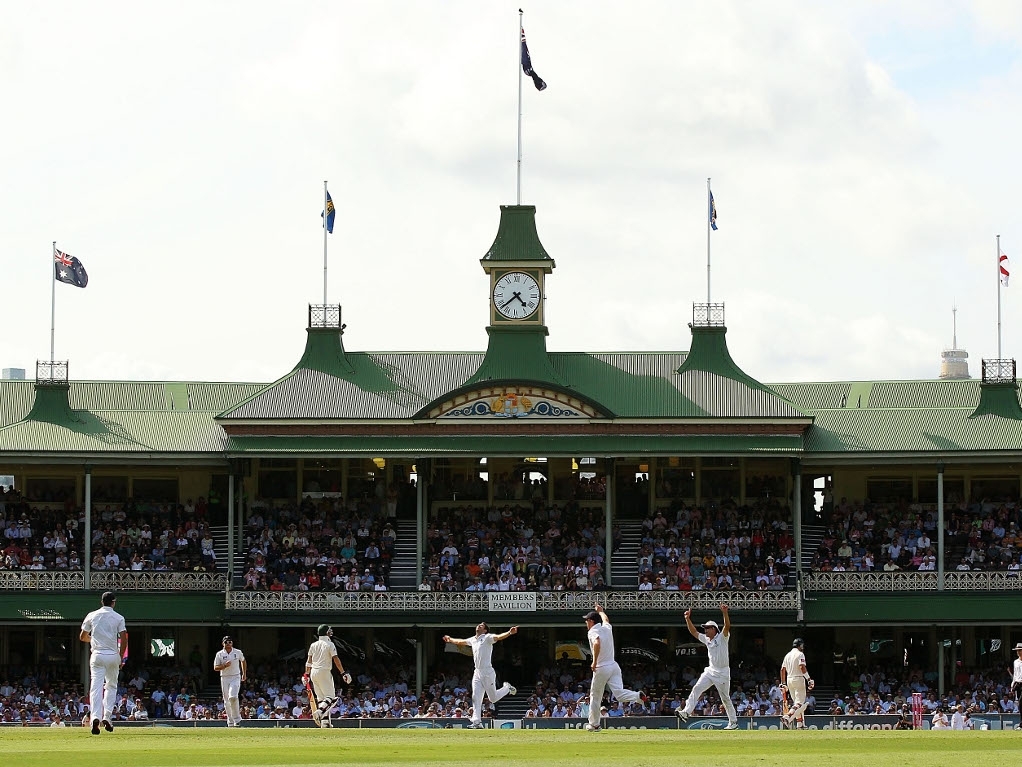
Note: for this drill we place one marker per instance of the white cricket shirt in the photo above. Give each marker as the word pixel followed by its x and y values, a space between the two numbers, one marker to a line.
pixel 105 625
pixel 792 663
pixel 482 651
pixel 322 653
pixel 716 648
pixel 234 658
pixel 606 637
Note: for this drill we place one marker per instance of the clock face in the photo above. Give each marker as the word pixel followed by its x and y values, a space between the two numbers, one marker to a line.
pixel 516 295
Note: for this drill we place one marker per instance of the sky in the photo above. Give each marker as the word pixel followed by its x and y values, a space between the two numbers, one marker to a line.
pixel 863 160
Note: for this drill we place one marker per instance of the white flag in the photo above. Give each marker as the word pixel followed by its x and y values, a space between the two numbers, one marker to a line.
pixel 1004 269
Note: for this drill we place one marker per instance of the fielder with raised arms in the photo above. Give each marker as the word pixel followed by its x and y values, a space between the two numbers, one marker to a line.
pixel 718 673
pixel 319 670
pixel 484 679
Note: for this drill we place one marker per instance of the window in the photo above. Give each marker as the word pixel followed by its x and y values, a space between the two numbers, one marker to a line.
pixel 954 490
pixel 322 475
pixel 889 490
pixel 156 490
pixel 109 489
pixel 50 489
pixel 995 489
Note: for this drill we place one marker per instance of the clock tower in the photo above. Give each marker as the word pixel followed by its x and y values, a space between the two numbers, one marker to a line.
pixel 517 265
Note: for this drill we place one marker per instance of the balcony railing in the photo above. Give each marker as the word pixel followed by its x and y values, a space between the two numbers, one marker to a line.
pixel 74 580
pixel 707 315
pixel 546 602
pixel 880 582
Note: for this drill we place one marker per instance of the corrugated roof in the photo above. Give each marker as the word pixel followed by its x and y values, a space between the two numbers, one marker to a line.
pixel 860 430
pixel 814 396
pixel 113 431
pixel 16 398
pixel 117 395
pixel 218 397
pixel 924 394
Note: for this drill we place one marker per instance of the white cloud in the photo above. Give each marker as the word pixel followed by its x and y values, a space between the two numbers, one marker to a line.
pixel 180 154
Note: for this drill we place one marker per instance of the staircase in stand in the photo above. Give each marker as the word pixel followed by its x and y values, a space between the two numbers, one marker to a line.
pixel 514 706
pixel 624 561
pixel 403 564
pixel 812 535
pixel 220 547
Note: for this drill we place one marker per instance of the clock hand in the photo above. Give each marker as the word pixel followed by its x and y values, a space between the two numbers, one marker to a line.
pixel 510 300
pixel 519 297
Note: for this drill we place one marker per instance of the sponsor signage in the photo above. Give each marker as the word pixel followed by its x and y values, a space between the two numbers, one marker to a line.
pixel 817 722
pixel 512 601
pixel 609 723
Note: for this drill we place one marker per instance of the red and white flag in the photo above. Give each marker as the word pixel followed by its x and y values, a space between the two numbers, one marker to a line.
pixel 1003 260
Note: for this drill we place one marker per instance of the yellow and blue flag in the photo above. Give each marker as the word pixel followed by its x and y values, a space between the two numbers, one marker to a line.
pixel 329 214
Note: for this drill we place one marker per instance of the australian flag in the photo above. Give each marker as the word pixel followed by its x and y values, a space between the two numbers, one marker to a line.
pixel 69 269
pixel 527 66
pixel 713 213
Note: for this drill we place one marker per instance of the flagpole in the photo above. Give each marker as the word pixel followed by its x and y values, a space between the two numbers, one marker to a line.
pixel 326 214
pixel 709 216
pixel 998 260
pixel 53 299
pixel 519 65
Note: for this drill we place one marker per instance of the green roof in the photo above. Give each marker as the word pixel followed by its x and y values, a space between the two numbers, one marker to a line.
pixel 517 238
pixel 909 418
pixel 132 418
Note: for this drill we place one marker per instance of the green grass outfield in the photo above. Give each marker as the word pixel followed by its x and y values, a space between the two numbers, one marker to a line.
pixel 74 747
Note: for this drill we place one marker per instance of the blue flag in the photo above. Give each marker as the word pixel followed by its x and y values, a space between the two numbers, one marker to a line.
pixel 713 213
pixel 69 269
pixel 329 213
pixel 527 66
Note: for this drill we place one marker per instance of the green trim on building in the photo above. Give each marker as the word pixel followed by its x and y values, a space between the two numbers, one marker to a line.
pixel 514 445
pixel 137 608
pixel 903 609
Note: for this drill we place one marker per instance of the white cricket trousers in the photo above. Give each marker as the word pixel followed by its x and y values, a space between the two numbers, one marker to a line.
pixel 105 668
pixel 608 677
pixel 485 681
pixel 231 688
pixel 797 690
pixel 708 679
pixel 322 684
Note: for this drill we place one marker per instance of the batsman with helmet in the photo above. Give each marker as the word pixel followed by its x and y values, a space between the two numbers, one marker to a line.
pixel 319 671
pixel 795 681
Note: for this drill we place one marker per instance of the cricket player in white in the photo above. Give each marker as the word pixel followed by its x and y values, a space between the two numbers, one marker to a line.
pixel 1016 680
pixel 718 673
pixel 606 671
pixel 233 668
pixel 319 670
pixel 104 630
pixel 795 680
pixel 484 679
